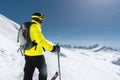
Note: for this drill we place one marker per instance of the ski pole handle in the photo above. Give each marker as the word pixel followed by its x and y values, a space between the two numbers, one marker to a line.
pixel 57 48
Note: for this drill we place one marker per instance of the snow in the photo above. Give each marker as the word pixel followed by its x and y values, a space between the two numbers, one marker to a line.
pixel 77 64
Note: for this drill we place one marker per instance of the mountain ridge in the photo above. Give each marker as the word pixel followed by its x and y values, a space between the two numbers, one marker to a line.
pixel 95 47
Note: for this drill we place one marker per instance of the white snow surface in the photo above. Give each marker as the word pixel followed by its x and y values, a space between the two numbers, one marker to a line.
pixel 78 64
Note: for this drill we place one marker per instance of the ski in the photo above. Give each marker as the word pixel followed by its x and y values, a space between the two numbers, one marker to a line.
pixel 55 76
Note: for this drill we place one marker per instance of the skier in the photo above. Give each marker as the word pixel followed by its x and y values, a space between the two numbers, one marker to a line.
pixel 34 57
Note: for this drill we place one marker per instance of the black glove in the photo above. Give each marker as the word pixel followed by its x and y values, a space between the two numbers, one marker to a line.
pixel 56 48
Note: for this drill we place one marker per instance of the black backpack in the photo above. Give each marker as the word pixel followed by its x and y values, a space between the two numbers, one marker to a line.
pixel 24 37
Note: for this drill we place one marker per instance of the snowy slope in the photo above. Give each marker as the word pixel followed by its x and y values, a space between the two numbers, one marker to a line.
pixel 78 64
pixel 9 58
pixel 83 65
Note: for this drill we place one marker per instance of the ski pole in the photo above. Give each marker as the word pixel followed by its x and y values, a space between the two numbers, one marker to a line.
pixel 59 71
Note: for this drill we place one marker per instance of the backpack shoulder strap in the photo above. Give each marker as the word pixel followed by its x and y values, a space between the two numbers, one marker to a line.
pixel 28 24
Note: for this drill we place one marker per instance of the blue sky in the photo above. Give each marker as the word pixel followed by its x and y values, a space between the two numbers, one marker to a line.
pixel 81 22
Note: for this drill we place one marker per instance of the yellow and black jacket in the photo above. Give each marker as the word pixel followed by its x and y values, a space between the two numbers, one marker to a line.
pixel 37 36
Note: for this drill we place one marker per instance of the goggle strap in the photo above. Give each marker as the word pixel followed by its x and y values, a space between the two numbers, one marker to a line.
pixel 37 16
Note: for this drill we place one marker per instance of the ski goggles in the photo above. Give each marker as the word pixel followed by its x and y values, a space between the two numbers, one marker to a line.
pixel 39 17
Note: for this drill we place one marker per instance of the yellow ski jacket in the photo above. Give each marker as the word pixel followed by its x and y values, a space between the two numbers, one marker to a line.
pixel 36 34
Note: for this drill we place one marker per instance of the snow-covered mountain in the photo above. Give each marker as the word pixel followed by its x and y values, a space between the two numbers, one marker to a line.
pixel 95 47
pixel 76 63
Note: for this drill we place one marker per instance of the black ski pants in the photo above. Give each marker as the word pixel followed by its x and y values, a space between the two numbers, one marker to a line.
pixel 35 62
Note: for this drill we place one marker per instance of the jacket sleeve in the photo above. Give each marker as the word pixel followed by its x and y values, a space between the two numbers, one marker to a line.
pixel 36 34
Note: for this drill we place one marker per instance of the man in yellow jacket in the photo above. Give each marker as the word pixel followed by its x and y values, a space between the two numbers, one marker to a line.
pixel 34 57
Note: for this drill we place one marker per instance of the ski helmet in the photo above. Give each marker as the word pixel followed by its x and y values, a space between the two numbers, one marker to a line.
pixel 39 16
